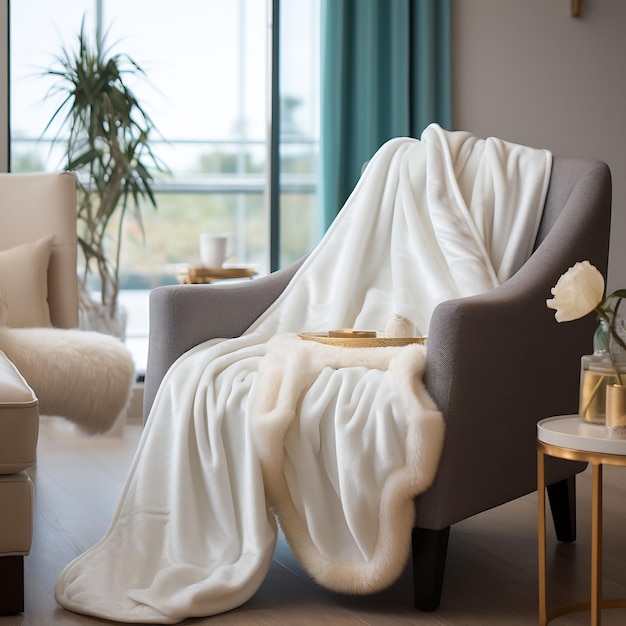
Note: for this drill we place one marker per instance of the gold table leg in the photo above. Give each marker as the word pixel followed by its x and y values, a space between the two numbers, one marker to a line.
pixel 541 526
pixel 597 602
pixel 596 545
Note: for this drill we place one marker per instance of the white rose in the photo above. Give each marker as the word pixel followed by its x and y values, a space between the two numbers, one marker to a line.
pixel 578 292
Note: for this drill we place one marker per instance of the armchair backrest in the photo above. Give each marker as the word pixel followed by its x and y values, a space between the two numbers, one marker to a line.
pixel 578 209
pixel 33 206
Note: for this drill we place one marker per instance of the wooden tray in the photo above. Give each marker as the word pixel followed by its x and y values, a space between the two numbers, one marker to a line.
pixel 362 342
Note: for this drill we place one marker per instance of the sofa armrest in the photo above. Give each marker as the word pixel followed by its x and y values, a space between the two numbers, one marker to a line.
pixel 184 316
pixel 19 419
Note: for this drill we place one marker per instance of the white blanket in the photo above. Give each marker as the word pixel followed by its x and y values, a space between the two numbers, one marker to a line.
pixel 335 442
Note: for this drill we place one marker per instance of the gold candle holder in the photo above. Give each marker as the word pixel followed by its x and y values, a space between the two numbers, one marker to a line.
pixel 616 411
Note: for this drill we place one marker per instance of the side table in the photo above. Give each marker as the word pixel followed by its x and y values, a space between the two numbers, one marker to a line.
pixel 568 437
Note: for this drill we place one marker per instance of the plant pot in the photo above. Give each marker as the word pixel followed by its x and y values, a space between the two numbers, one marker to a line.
pixel 616 411
pixel 97 317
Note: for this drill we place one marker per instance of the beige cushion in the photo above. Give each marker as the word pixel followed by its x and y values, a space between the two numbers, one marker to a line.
pixel 24 283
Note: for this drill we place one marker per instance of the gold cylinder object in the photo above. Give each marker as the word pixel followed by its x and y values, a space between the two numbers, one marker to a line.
pixel 616 410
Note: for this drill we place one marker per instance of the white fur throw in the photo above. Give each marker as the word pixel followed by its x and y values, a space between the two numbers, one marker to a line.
pixel 83 376
pixel 327 511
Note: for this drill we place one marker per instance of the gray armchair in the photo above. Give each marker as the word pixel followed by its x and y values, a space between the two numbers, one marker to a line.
pixel 497 363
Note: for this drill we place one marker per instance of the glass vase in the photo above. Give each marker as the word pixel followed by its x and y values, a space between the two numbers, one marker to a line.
pixel 597 372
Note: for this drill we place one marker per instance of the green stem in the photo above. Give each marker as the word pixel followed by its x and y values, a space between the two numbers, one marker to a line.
pixel 613 335
pixel 614 332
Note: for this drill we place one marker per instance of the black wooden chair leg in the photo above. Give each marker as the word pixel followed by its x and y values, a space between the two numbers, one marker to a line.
pixel 429 562
pixel 11 584
pixel 562 497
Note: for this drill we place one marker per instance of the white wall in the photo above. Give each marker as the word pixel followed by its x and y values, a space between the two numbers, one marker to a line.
pixel 525 70
pixel 4 80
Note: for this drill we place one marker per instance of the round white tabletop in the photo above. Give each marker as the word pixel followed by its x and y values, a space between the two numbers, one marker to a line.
pixel 569 431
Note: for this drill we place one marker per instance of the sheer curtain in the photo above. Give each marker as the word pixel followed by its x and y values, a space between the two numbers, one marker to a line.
pixel 385 68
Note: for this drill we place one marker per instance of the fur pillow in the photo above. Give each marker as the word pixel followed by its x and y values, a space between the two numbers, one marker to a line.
pixel 24 284
pixel 84 376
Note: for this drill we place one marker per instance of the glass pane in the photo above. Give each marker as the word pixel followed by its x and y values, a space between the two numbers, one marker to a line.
pixel 206 78
pixel 299 220
pixel 39 30
pixel 205 90
pixel 300 229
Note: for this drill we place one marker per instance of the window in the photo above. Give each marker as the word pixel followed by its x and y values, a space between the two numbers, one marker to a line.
pixel 206 90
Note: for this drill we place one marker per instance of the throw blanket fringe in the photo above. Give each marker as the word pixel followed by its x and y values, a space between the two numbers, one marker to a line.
pixel 286 374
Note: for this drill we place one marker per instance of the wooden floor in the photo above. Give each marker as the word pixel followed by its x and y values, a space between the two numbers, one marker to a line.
pixel 491 576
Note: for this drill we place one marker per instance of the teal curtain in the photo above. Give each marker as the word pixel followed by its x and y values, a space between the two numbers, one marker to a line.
pixel 385 73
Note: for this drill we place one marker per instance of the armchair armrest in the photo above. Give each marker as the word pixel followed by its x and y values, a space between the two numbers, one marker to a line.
pixel 499 362
pixel 184 316
pixel 496 365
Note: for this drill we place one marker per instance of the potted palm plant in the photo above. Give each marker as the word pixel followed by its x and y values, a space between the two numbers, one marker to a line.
pixel 105 133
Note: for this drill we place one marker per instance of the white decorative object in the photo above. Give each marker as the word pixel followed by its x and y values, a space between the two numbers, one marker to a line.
pixel 213 249
pixel 399 326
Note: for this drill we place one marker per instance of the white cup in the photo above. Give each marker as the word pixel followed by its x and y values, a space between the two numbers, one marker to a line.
pixel 213 249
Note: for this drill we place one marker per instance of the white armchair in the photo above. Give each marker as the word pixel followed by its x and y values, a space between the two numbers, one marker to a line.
pixel 32 206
